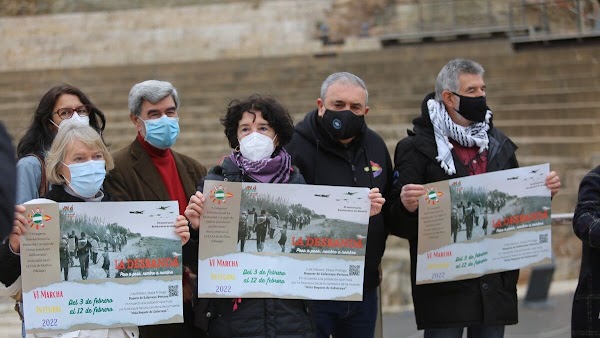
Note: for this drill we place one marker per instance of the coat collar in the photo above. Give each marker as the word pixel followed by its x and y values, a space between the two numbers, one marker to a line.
pixel 145 169
pixel 499 144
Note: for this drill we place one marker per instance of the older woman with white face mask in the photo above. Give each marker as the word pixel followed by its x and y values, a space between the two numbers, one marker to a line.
pixel 257 129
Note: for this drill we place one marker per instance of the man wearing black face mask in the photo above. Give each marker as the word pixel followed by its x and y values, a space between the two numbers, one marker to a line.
pixel 334 146
pixel 454 137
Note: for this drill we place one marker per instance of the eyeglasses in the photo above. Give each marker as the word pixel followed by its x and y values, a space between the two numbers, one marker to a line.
pixel 66 113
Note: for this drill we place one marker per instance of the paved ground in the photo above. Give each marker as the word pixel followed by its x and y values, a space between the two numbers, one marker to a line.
pixel 10 325
pixel 551 321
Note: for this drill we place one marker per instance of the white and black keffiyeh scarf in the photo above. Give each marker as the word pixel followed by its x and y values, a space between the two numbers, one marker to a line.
pixel 444 128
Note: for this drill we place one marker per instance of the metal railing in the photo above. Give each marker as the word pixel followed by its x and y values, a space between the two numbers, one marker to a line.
pixel 446 18
pixel 558 18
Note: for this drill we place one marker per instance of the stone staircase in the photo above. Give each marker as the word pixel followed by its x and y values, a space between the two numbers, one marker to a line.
pixel 546 100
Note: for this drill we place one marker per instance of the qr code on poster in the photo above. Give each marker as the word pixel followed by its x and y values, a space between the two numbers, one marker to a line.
pixel 544 238
pixel 173 290
pixel 354 270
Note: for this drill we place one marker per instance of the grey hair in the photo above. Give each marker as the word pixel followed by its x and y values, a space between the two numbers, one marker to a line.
pixel 344 78
pixel 447 78
pixel 151 91
pixel 67 134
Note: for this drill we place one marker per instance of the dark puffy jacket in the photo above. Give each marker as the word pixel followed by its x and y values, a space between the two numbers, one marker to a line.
pixel 487 300
pixel 585 321
pixel 365 162
pixel 254 317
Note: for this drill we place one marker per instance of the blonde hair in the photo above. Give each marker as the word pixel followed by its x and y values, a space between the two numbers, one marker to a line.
pixel 67 134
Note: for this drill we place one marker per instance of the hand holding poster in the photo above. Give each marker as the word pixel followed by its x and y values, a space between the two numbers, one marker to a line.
pixel 282 241
pixel 476 225
pixel 99 265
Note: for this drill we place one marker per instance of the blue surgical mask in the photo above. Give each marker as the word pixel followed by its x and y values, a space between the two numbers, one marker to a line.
pixel 87 177
pixel 162 133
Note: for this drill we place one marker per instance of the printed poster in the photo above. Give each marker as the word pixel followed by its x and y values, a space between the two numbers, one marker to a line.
pixel 282 241
pixel 476 225
pixel 99 265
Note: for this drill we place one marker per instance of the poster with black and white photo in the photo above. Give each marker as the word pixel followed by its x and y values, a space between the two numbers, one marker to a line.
pixel 98 265
pixel 481 224
pixel 282 241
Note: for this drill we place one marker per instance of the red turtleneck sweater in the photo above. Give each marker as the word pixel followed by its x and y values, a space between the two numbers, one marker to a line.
pixel 165 165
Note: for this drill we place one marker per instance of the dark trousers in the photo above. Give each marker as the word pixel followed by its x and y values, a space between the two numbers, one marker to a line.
pixel 496 331
pixel 242 238
pixel 64 265
pixel 469 229
pixel 84 263
pixel 261 234
pixel 343 319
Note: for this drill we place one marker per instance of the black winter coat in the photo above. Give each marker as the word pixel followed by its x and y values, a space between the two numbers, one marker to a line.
pixel 58 194
pixel 365 162
pixel 487 300
pixel 10 264
pixel 8 172
pixel 585 321
pixel 254 317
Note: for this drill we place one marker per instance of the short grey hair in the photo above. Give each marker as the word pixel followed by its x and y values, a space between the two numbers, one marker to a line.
pixel 67 134
pixel 151 91
pixel 447 78
pixel 344 78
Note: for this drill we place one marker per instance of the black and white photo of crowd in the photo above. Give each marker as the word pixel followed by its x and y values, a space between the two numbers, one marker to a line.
pixel 268 224
pixel 91 248
pixel 477 213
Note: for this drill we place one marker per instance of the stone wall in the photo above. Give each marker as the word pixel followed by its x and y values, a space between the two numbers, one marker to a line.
pixel 160 35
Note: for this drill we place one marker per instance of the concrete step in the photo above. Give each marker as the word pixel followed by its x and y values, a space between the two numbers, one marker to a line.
pixel 551 127
pixel 541 127
pixel 109 96
pixel 389 62
pixel 204 118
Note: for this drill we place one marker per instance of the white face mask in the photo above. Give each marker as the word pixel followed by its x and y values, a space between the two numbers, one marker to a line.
pixel 75 119
pixel 256 146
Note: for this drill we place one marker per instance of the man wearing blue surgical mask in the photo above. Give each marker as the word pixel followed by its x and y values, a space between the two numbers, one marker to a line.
pixel 148 170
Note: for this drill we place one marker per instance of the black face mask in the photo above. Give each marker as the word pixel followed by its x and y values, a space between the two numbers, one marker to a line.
pixel 343 124
pixel 472 108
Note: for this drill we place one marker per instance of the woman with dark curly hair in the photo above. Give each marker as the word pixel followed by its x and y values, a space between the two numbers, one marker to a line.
pixel 60 103
pixel 257 129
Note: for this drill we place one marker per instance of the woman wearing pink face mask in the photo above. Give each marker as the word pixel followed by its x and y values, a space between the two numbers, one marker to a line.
pixel 62 102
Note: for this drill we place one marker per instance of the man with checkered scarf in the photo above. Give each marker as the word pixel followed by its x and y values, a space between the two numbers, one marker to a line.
pixel 455 137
